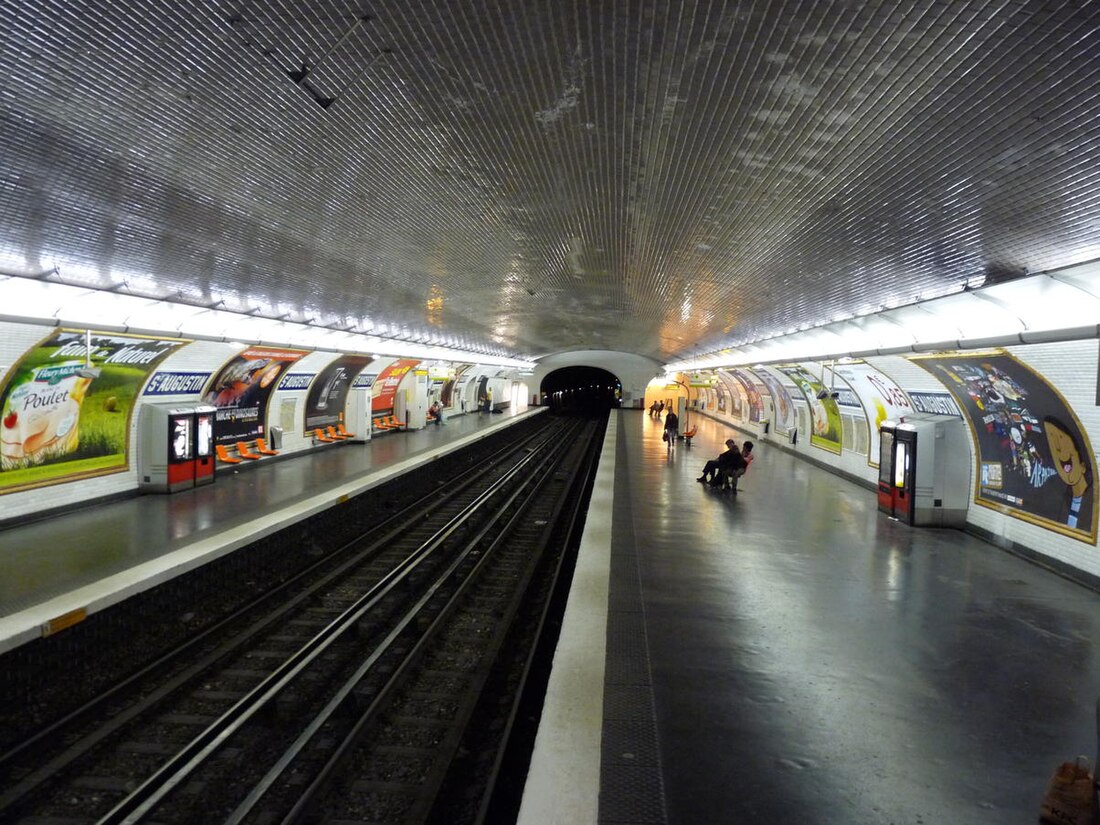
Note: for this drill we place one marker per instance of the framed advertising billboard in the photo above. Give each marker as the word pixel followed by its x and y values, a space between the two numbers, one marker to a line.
pixel 385 386
pixel 752 394
pixel 241 389
pixel 878 396
pixel 1035 461
pixel 782 405
pixel 826 428
pixel 66 406
pixel 328 393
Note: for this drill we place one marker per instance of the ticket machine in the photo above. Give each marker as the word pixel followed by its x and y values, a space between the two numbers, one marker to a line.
pixel 176 447
pixel 204 445
pixel 924 470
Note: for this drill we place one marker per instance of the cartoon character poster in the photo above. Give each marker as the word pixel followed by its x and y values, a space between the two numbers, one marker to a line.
pixel 66 406
pixel 880 398
pixel 240 390
pixel 329 391
pixel 826 428
pixel 782 405
pixel 1034 458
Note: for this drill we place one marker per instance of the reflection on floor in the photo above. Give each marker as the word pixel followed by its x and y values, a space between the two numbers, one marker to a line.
pixel 813 661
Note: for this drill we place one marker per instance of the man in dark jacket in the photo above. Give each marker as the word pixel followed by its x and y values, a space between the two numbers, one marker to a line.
pixel 718 469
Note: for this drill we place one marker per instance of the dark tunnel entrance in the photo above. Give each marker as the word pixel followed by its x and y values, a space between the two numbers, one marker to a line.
pixel 581 389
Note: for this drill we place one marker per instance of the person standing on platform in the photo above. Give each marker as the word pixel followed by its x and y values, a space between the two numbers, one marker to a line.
pixel 672 430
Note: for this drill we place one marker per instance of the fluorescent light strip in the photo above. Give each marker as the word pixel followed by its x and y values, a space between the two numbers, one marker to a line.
pixel 1053 306
pixel 59 304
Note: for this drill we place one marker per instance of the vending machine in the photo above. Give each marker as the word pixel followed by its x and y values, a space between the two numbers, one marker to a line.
pixel 924 470
pixel 175 450
pixel 204 445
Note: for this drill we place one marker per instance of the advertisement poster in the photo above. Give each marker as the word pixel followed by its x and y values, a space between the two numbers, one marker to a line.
pixel 66 406
pixel 783 406
pixel 826 428
pixel 240 391
pixel 385 386
pixel 748 385
pixel 1034 458
pixel 329 391
pixel 736 395
pixel 442 384
pixel 880 398
pixel 461 379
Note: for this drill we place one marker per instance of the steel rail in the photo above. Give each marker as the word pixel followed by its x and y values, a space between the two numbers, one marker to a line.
pixel 325 776
pixel 390 526
pixel 540 649
pixel 156 787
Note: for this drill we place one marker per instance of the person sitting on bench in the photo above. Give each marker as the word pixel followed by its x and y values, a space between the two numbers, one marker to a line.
pixel 748 456
pixel 435 413
pixel 717 470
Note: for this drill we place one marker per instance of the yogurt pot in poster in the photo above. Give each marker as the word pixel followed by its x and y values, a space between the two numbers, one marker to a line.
pixel 41 416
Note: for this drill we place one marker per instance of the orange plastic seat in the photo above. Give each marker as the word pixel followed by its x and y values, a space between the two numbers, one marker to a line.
pixel 224 456
pixel 335 436
pixel 340 428
pixel 263 449
pixel 244 452
pixel 379 424
pixel 393 422
pixel 319 435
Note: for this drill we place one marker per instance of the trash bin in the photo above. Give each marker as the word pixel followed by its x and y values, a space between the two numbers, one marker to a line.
pixel 275 438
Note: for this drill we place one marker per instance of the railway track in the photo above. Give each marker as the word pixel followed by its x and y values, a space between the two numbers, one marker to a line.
pixel 362 674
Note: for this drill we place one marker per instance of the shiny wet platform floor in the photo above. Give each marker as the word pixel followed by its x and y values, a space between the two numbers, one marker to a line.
pixel 95 556
pixel 790 655
pixel 814 661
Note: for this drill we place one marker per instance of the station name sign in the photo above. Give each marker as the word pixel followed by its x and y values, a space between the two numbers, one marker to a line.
pixel 176 383
pixel 934 402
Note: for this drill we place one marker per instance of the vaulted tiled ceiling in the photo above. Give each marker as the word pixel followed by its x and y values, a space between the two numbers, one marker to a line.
pixel 530 177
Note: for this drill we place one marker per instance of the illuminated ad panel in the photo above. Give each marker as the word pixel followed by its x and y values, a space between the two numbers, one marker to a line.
pixel 329 391
pixel 1034 458
pixel 241 389
pixel 825 424
pixel 66 406
pixel 880 398
pixel 782 405
pixel 385 386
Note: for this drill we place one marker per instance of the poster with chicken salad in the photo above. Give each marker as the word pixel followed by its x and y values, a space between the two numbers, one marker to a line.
pixel 241 389
pixel 65 406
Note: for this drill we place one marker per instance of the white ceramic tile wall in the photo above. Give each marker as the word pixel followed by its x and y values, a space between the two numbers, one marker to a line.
pixel 1071 367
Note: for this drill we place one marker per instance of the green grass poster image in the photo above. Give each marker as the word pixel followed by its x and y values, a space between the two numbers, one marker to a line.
pixel 825 424
pixel 66 406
